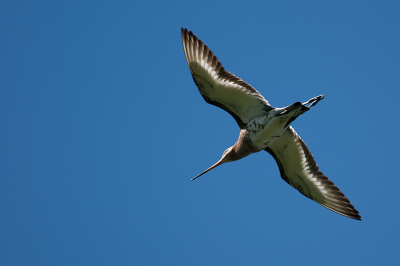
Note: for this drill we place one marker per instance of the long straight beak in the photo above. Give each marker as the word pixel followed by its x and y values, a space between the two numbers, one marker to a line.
pixel 212 167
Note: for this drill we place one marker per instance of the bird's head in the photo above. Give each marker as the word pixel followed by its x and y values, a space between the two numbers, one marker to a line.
pixel 227 156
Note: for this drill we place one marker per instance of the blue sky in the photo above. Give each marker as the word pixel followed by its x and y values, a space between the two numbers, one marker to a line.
pixel 102 129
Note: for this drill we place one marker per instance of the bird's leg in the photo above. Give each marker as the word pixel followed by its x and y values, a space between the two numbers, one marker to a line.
pixel 314 101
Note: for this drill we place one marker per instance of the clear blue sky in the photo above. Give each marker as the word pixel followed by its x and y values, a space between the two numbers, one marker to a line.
pixel 102 128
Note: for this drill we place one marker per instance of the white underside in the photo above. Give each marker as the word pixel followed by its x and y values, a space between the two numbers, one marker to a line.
pixel 264 130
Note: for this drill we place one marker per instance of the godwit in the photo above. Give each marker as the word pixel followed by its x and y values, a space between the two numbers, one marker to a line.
pixel 262 127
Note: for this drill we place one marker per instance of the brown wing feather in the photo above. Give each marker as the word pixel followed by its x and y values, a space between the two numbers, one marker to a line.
pixel 299 169
pixel 220 87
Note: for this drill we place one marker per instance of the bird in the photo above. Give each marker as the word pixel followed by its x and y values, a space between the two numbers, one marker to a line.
pixel 262 127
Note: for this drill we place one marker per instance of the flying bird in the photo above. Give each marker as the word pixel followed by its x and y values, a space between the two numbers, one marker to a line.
pixel 262 127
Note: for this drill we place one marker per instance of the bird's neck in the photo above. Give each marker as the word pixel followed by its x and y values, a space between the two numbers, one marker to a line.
pixel 243 146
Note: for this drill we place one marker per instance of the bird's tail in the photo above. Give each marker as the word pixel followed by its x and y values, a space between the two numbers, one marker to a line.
pixel 304 107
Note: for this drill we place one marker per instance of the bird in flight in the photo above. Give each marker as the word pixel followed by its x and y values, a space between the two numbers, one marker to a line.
pixel 262 127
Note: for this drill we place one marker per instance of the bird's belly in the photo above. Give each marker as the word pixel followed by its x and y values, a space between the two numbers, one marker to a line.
pixel 263 135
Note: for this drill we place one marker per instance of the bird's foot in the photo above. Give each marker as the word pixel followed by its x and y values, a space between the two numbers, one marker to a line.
pixel 314 101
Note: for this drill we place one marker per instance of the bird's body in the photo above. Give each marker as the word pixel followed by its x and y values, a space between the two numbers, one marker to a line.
pixel 262 127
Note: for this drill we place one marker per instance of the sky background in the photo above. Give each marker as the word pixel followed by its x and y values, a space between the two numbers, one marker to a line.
pixel 102 128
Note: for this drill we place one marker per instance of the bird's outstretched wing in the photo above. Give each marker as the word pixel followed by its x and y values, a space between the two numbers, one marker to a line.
pixel 218 86
pixel 299 169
